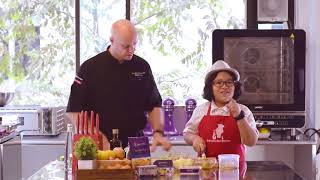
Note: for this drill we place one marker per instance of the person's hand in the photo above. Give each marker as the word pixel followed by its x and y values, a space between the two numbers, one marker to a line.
pixel 199 144
pixel 234 108
pixel 158 139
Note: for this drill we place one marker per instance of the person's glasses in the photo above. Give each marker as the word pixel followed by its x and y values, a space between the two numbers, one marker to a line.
pixel 221 83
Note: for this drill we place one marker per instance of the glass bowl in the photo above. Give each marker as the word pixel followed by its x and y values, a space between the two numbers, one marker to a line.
pixel 5 98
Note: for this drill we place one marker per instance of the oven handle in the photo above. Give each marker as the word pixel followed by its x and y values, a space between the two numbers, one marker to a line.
pixel 259 123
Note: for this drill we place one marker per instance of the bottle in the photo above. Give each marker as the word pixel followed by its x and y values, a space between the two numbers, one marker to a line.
pixel 127 150
pixel 68 149
pixel 115 141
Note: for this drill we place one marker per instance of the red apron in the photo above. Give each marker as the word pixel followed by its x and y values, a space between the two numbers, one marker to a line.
pixel 221 134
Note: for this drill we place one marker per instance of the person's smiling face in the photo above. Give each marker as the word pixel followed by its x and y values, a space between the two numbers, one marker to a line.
pixel 223 88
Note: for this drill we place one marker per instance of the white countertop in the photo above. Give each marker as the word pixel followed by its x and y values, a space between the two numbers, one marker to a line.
pixel 175 140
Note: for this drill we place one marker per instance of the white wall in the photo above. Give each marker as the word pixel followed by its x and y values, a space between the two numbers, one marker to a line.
pixel 306 18
pixel 307 13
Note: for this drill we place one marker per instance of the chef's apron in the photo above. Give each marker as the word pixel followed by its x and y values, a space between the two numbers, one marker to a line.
pixel 221 135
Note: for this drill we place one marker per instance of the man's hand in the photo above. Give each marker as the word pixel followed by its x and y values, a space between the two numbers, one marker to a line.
pixel 158 139
pixel 199 145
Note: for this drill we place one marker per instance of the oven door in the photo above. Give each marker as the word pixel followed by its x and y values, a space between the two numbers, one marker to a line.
pixel 271 64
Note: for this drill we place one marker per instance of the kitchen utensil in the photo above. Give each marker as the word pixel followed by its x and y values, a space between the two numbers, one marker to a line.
pixel 5 98
pixel 169 128
pixel 85 131
pixel 81 122
pixel 92 123
pixel 78 124
pixel 202 151
pixel 97 124
pixel 82 126
pixel 190 106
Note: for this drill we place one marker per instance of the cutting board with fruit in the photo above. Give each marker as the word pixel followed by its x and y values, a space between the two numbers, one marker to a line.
pixel 110 164
pixel 85 127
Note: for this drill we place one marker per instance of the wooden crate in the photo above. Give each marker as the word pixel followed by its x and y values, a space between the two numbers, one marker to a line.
pixel 101 174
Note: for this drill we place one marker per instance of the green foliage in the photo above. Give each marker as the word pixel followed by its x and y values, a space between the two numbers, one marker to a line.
pixel 163 25
pixel 85 149
pixel 42 35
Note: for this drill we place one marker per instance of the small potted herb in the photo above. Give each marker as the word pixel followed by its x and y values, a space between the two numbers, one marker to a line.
pixel 85 151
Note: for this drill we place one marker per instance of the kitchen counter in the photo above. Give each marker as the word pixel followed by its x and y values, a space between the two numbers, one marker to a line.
pixel 178 140
pixel 252 170
pixel 39 140
pixel 175 140
pixel 298 154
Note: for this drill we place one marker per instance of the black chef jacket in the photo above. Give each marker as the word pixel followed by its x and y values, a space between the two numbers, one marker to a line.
pixel 120 93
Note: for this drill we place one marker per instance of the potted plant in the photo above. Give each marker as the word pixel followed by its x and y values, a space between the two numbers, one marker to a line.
pixel 85 151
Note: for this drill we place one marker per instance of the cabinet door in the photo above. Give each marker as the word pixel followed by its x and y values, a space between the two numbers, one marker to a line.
pixel 11 161
pixel 36 156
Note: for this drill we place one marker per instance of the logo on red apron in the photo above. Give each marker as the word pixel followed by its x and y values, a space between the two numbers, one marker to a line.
pixel 221 135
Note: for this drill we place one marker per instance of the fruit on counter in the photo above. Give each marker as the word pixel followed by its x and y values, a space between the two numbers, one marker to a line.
pixel 114 164
pixel 101 155
pixel 119 152
pixel 106 155
pixel 264 133
pixel 181 162
pixel 111 154
pixel 264 130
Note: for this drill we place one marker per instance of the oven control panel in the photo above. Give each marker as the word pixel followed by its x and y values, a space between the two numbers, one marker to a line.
pixel 280 120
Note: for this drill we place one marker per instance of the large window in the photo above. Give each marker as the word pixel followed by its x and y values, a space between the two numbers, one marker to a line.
pixel 96 17
pixel 37 58
pixel 176 37
pixel 37 42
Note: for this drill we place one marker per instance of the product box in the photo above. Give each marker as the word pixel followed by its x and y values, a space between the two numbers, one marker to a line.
pixel 139 151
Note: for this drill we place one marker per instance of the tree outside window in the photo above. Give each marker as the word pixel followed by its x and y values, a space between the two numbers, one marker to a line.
pixel 37 42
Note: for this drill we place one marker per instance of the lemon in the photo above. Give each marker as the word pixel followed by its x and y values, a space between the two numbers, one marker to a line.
pixel 264 130
pixel 110 154
pixel 101 155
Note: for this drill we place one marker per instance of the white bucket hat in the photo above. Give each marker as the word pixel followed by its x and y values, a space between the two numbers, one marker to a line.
pixel 221 65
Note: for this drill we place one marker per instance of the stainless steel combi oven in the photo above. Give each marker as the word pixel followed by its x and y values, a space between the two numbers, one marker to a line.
pixel 271 64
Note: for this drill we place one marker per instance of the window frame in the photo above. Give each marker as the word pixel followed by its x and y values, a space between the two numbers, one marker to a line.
pixel 77 28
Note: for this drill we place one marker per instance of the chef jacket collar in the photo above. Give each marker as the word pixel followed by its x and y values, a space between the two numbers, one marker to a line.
pixel 214 108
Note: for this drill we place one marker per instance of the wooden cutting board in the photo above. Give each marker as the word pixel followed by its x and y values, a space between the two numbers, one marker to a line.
pixel 101 174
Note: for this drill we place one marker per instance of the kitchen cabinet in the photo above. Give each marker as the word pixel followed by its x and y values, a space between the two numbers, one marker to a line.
pixel 37 151
pixel 10 161
pixel 36 156
pixel 20 158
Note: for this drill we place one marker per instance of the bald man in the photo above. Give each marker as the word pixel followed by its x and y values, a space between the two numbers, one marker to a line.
pixel 119 86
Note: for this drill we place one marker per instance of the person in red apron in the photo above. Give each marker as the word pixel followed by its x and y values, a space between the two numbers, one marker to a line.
pixel 221 125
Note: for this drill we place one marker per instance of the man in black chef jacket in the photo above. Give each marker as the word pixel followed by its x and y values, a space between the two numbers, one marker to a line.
pixel 119 85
